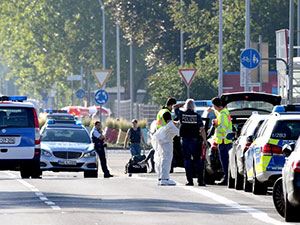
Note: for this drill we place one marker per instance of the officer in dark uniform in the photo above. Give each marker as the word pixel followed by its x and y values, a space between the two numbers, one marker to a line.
pixel 98 139
pixel 190 129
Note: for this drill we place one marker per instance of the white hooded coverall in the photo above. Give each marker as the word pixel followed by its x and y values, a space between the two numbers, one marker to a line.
pixel 162 142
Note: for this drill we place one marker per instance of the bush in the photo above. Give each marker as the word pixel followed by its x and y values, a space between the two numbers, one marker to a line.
pixel 124 125
pixel 142 123
pixel 86 121
pixel 42 122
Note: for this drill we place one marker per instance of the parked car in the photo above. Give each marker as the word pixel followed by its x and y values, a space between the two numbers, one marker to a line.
pixel 239 147
pixel 67 146
pixel 241 105
pixel 19 136
pixel 264 159
pixel 286 190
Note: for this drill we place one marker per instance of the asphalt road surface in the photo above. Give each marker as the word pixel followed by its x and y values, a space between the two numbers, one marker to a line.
pixel 69 199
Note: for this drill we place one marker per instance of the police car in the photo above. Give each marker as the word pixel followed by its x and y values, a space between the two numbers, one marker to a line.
pixel 286 190
pixel 67 146
pixel 19 136
pixel 264 160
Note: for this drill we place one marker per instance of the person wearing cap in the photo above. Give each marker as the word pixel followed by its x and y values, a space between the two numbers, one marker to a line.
pixel 135 135
pixel 98 140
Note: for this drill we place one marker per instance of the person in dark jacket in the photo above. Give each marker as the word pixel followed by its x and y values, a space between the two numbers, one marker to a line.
pixel 191 126
pixel 98 140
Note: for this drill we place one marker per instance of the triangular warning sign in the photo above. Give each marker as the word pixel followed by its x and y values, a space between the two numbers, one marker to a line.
pixel 101 76
pixel 188 75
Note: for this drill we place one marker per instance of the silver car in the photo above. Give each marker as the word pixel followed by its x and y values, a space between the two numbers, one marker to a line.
pixel 68 147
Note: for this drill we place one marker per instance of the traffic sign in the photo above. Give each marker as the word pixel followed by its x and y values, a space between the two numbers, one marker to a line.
pixel 74 77
pixel 188 75
pixel 101 97
pixel 80 93
pixel 101 76
pixel 250 58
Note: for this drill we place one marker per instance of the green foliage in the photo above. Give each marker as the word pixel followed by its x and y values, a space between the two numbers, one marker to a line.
pixel 124 125
pixel 86 121
pixel 142 123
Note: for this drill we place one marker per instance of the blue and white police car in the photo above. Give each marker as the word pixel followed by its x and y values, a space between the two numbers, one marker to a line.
pixel 19 136
pixel 67 146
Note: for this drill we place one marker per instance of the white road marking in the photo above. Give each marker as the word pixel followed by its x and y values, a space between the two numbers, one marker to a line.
pixel 36 191
pixel 255 213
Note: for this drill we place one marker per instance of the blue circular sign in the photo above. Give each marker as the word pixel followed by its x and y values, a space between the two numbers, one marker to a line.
pixel 101 97
pixel 80 93
pixel 250 58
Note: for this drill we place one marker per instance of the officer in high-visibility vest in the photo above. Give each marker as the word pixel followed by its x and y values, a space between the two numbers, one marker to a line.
pixel 166 109
pixel 224 127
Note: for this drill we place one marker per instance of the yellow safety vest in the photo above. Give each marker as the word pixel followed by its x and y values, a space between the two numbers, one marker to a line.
pixel 224 127
pixel 159 118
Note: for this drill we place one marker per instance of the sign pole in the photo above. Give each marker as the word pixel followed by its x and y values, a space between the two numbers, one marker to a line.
pixel 188 91
pixel 247 41
pixel 72 93
pixel 291 52
pixel 220 47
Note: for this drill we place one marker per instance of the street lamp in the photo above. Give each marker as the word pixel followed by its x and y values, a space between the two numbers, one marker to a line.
pixel 103 34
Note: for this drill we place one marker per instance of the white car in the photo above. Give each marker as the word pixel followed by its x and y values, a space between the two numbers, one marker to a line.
pixel 67 147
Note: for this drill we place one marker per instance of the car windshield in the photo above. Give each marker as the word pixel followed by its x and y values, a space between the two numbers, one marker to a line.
pixel 65 135
pixel 286 130
pixel 13 117
pixel 250 104
pixel 60 117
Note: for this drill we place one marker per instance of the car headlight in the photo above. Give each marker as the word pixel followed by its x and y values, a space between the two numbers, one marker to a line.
pixel 46 153
pixel 89 154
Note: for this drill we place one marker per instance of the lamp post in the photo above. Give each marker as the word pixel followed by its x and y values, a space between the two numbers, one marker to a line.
pixel 103 34
pixel 220 47
pixel 291 52
pixel 247 41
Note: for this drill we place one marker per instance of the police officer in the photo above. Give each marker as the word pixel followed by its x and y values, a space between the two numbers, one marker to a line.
pixel 190 129
pixel 98 139
pixel 224 127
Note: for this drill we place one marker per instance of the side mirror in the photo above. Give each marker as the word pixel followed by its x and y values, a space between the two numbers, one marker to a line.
pixel 287 149
pixel 250 138
pixel 231 136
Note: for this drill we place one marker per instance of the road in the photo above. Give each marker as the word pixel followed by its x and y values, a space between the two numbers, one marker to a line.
pixel 69 199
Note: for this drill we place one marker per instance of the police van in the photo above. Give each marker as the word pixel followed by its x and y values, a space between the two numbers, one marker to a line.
pixel 19 136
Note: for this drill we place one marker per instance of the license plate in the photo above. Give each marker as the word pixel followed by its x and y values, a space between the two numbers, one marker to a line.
pixel 7 140
pixel 67 162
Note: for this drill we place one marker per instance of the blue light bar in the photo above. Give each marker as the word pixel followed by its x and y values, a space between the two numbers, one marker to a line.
pixel 78 122
pixel 51 121
pixel 279 109
pixel 17 98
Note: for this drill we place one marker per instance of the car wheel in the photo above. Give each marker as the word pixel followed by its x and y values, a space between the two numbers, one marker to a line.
pixel 90 174
pixel 278 198
pixel 247 185
pixel 238 182
pixel 291 212
pixel 231 181
pixel 258 188
pixel 36 172
pixel 25 172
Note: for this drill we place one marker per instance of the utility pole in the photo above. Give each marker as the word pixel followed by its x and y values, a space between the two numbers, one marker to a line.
pixel 131 80
pixel 298 27
pixel 220 47
pixel 247 41
pixel 291 52
pixel 103 34
pixel 118 70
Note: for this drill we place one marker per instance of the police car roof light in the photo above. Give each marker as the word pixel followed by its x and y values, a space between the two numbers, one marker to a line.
pixel 78 122
pixel 13 98
pixel 51 121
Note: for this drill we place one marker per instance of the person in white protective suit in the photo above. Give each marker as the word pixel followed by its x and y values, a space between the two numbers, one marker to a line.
pixel 162 142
